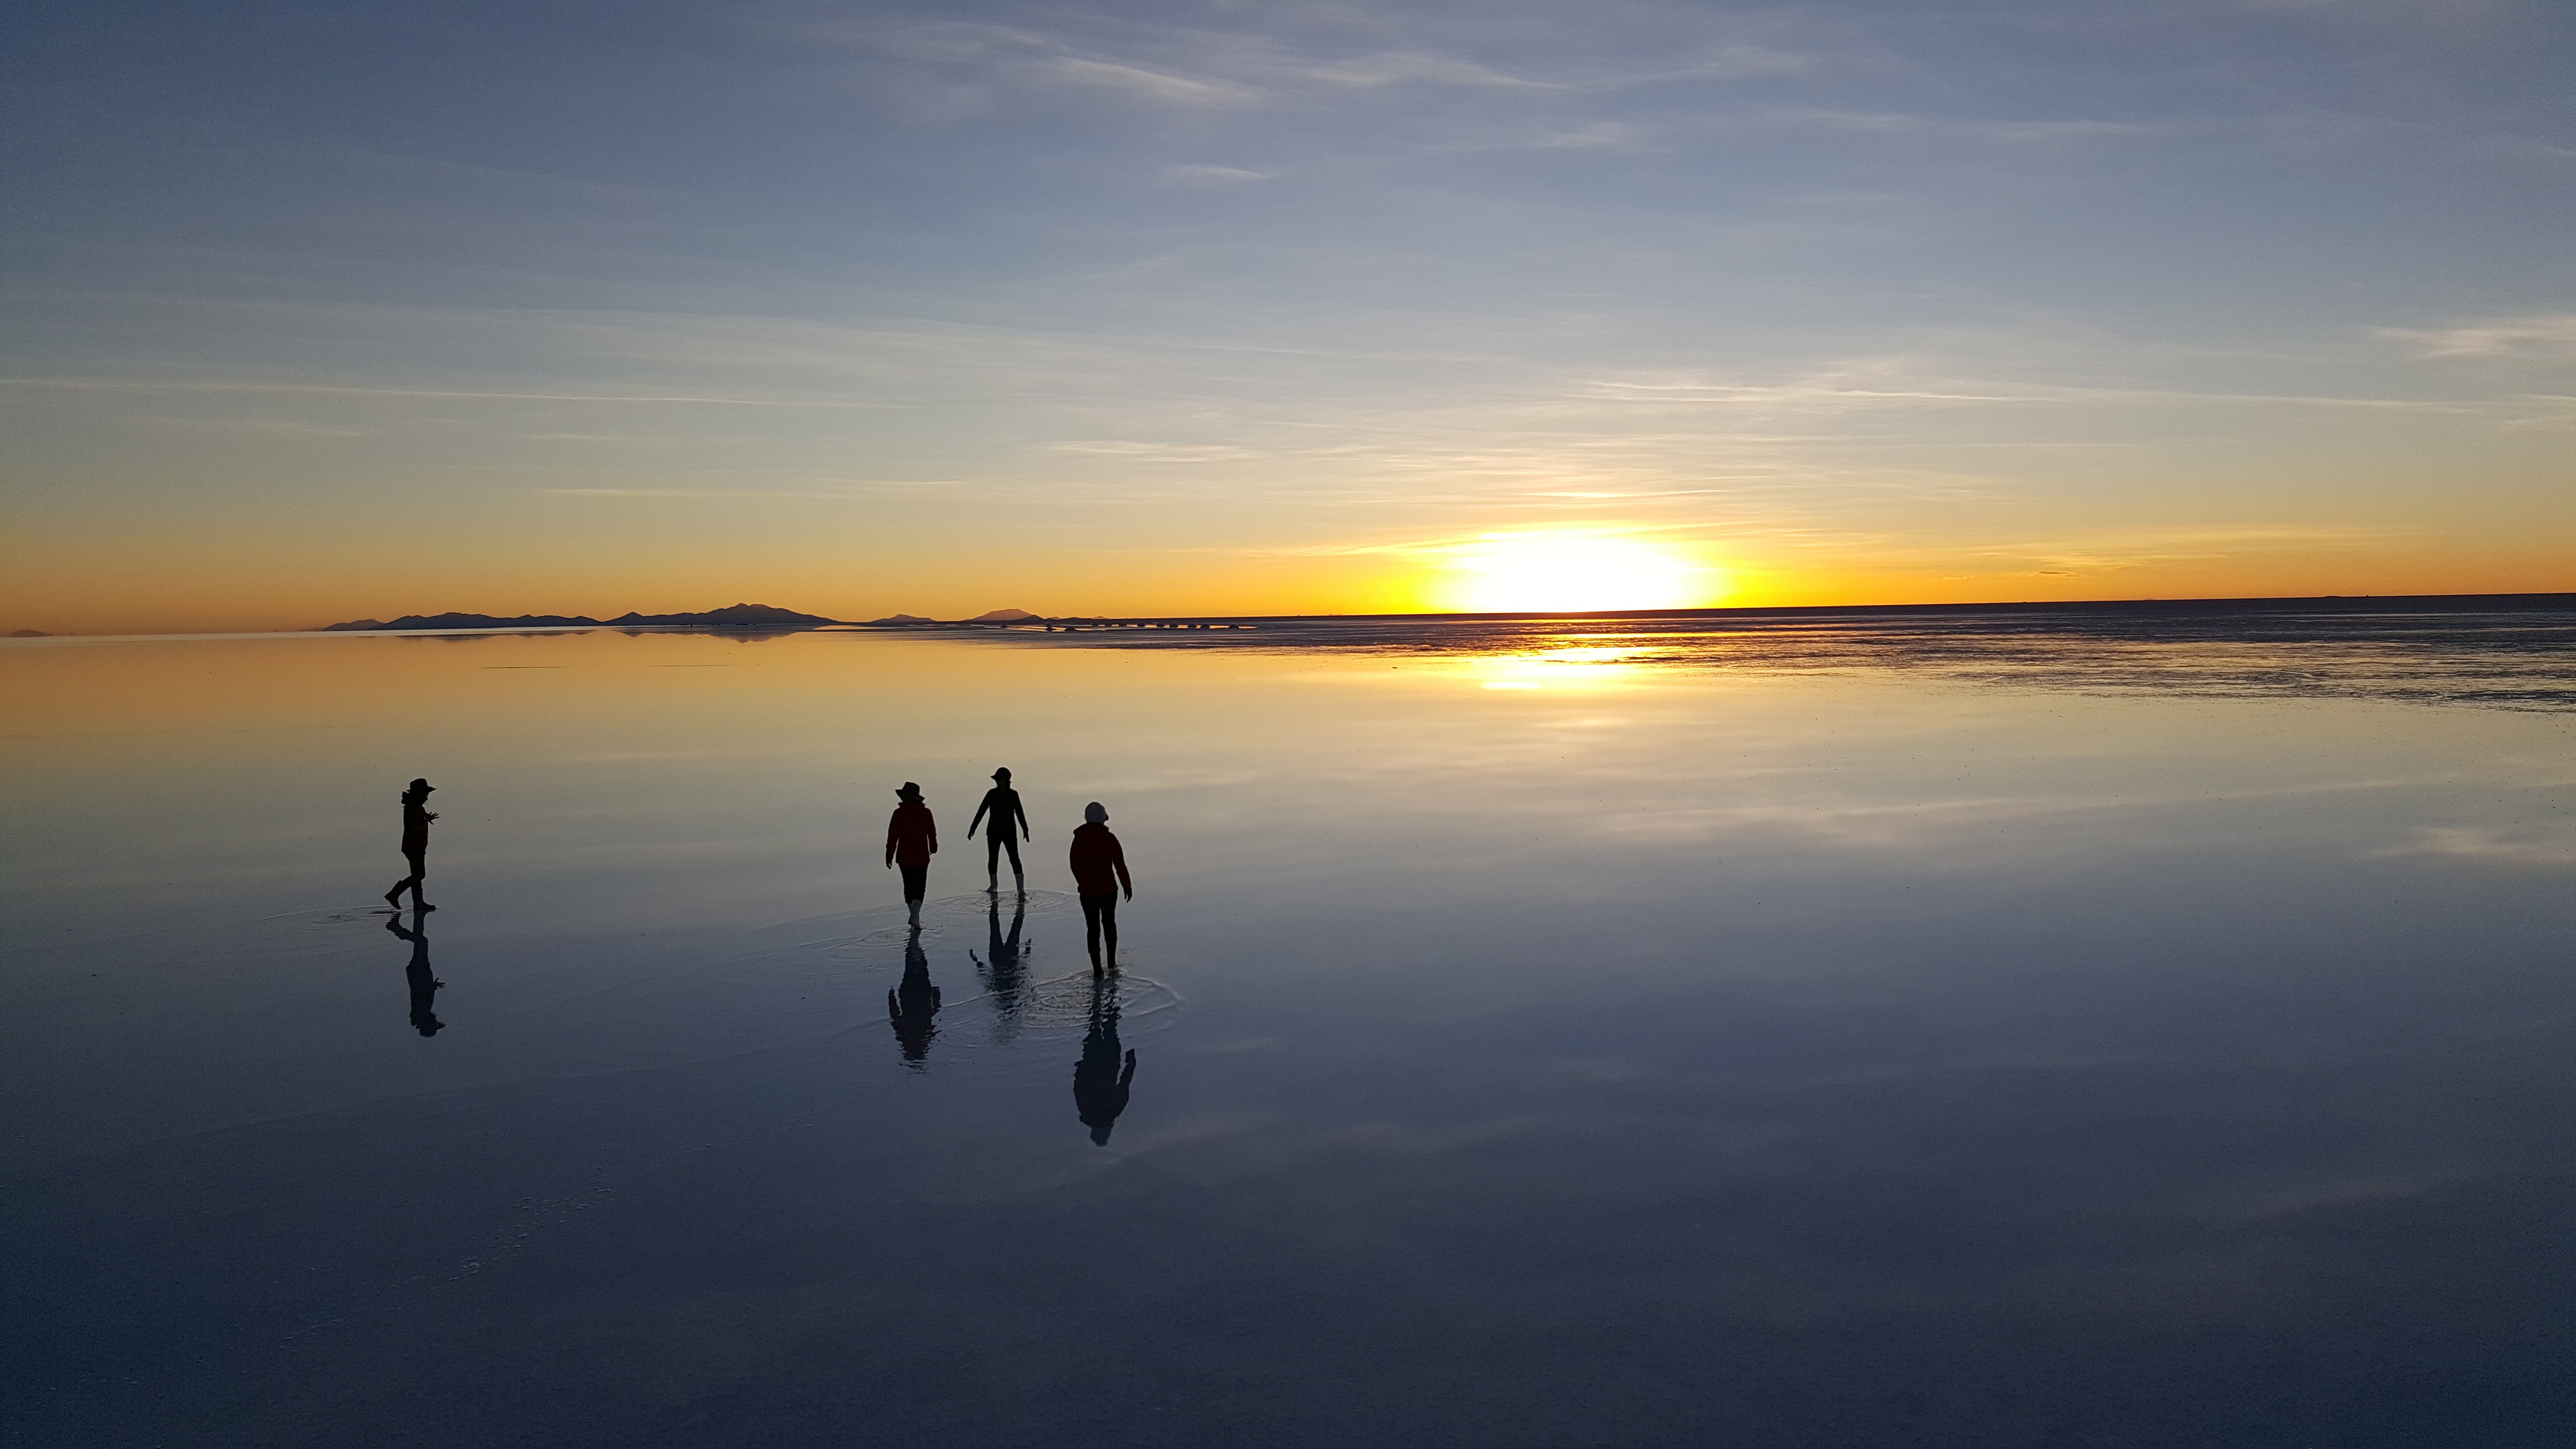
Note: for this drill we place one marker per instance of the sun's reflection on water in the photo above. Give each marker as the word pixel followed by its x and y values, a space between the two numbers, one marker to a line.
pixel 1571 666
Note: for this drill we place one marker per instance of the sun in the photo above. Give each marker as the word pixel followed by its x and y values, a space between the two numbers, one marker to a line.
pixel 1576 573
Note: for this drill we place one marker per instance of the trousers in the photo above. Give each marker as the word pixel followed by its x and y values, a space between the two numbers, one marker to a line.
pixel 994 844
pixel 1099 914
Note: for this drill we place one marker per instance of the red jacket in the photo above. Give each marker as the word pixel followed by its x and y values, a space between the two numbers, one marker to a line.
pixel 1099 865
pixel 912 837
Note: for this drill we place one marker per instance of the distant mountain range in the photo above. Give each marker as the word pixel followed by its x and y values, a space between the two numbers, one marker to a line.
pixel 996 616
pixel 737 616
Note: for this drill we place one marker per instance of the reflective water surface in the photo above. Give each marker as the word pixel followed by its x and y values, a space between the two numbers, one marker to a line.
pixel 2135 1029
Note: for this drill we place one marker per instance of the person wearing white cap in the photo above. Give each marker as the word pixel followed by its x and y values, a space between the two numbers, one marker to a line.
pixel 1100 875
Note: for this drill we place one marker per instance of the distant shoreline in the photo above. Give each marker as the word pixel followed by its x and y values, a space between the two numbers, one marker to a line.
pixel 808 623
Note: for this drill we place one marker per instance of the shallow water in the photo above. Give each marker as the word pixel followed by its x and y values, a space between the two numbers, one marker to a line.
pixel 2145 1028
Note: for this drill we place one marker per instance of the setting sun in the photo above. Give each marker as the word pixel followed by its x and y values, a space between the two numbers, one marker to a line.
pixel 1550 573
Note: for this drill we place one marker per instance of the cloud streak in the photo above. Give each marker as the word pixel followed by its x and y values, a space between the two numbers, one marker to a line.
pixel 2547 336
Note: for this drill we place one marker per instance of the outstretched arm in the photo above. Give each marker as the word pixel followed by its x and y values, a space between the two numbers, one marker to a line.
pixel 979 817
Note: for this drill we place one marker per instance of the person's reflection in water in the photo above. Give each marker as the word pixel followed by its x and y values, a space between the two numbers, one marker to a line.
pixel 1004 966
pixel 424 986
pixel 912 1005
pixel 1100 1079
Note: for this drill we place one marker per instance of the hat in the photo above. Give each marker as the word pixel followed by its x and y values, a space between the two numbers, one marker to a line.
pixel 908 791
pixel 1003 773
pixel 1096 813
pixel 422 787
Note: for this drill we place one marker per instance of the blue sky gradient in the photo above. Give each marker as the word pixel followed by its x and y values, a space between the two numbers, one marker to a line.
pixel 1276 307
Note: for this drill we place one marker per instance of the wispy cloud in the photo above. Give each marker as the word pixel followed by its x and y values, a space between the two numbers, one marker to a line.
pixel 2487 843
pixel 1206 175
pixel 1144 84
pixel 2114 552
pixel 1018 58
pixel 282 428
pixel 118 384
pixel 1599 135
pixel 1379 70
pixel 868 491
pixel 1895 382
pixel 1901 124
pixel 1138 452
pixel 1275 62
pixel 2546 335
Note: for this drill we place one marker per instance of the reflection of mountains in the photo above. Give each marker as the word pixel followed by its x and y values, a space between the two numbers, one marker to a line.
pixel 2509 651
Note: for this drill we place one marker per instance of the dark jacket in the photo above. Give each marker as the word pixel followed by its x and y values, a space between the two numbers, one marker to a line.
pixel 416 818
pixel 1003 804
pixel 1099 865
pixel 912 837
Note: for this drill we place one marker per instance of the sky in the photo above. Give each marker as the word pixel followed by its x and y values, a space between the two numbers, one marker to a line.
pixel 312 312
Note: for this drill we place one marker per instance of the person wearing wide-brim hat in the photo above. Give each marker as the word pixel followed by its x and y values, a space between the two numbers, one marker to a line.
pixel 912 838
pixel 415 845
pixel 1003 804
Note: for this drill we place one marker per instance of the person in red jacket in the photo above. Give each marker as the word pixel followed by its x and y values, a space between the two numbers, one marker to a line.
pixel 1100 874
pixel 912 838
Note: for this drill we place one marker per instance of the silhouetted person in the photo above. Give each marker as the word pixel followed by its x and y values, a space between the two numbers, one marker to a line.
pixel 912 838
pixel 1005 967
pixel 415 845
pixel 911 1005
pixel 1010 827
pixel 424 986
pixel 1099 874
pixel 1099 1082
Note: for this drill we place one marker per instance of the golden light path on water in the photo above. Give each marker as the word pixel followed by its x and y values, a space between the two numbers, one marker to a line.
pixel 1578 666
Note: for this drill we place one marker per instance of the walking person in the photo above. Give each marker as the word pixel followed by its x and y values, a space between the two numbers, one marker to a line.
pixel 912 838
pixel 1002 803
pixel 415 845
pixel 1100 875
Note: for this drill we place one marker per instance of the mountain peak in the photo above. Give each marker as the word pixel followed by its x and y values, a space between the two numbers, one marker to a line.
pixel 732 616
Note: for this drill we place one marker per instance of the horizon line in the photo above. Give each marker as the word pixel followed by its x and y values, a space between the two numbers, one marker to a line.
pixel 2566 597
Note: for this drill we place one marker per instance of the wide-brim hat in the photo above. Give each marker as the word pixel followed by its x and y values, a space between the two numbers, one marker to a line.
pixel 423 786
pixel 907 791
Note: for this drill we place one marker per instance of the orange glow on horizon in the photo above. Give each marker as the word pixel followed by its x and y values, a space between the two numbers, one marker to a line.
pixel 137 586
